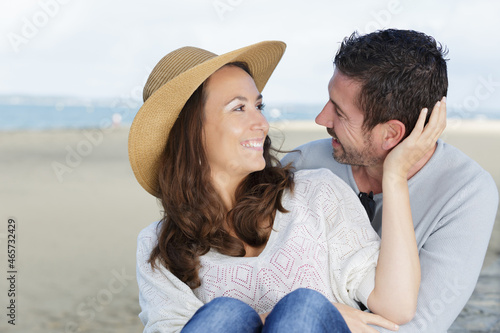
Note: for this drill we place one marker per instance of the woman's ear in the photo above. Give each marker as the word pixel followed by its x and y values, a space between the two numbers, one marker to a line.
pixel 394 131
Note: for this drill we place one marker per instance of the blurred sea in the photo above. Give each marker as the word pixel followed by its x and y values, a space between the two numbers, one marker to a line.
pixel 48 114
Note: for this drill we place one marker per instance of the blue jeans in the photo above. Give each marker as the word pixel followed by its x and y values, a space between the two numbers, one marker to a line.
pixel 303 310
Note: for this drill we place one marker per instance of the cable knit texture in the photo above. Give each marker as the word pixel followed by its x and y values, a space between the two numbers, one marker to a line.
pixel 325 243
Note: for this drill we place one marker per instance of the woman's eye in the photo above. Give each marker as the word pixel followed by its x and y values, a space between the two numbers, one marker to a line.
pixel 261 106
pixel 240 108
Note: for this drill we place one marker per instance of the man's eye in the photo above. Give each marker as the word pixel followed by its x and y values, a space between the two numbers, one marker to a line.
pixel 337 112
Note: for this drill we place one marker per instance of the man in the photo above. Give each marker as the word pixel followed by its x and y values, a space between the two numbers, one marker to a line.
pixel 381 82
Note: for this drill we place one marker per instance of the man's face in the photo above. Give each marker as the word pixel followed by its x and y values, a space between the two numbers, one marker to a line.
pixel 344 122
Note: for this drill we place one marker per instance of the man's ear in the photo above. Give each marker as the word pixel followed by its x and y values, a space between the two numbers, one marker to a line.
pixel 394 131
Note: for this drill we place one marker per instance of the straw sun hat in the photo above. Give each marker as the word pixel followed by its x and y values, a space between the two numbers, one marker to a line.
pixel 169 86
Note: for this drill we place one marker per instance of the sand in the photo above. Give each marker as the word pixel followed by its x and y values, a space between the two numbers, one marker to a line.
pixel 78 210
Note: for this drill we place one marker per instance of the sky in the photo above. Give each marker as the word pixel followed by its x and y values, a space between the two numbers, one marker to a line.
pixel 106 49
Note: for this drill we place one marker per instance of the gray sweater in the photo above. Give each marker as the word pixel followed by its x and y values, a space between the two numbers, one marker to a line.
pixel 454 202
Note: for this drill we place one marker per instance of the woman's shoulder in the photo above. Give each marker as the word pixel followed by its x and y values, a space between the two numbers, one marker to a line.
pixel 150 233
pixel 313 174
pixel 319 176
pixel 320 182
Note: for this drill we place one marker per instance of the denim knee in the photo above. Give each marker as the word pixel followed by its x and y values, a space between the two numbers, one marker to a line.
pixel 224 314
pixel 304 296
pixel 305 310
pixel 313 302
pixel 306 292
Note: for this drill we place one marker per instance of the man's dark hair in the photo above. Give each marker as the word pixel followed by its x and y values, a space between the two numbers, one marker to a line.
pixel 401 72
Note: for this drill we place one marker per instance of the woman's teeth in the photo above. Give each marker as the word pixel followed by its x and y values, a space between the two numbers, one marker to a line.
pixel 252 144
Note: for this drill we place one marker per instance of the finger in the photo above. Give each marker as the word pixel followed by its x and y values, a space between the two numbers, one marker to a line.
pixel 368 329
pixel 380 321
pixel 443 113
pixel 435 116
pixel 419 126
pixel 440 111
pixel 437 121
pixel 436 112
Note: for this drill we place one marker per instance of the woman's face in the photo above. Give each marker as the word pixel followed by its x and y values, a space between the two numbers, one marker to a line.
pixel 234 127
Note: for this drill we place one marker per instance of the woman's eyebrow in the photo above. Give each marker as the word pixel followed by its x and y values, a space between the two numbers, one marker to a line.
pixel 243 98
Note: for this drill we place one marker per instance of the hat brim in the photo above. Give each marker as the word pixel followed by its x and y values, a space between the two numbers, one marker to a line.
pixel 154 120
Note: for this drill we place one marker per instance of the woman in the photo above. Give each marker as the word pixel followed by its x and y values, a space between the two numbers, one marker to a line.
pixel 245 244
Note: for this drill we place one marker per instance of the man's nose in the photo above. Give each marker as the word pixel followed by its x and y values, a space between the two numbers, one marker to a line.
pixel 325 117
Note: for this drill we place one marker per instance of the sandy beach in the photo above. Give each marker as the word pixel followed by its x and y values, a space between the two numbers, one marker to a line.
pixel 78 209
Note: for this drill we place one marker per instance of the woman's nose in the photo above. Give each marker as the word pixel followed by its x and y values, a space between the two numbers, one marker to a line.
pixel 259 121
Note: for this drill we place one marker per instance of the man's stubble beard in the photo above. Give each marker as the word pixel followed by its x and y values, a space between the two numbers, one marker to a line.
pixel 351 156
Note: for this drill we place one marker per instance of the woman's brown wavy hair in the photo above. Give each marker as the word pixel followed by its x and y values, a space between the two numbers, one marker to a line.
pixel 195 218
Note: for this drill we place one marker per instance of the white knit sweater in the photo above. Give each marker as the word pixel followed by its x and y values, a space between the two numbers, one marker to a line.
pixel 325 243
